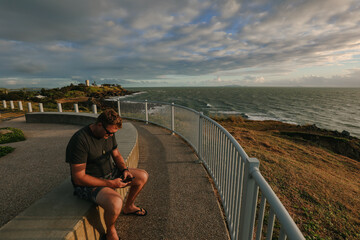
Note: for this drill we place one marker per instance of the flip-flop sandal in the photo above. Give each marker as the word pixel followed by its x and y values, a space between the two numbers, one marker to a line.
pixel 141 212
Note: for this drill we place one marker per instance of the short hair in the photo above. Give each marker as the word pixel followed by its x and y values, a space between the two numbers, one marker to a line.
pixel 109 117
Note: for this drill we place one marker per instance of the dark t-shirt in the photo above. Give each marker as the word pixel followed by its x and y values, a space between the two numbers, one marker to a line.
pixel 84 147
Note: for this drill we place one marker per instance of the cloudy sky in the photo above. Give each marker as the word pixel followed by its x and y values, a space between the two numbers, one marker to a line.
pixel 48 43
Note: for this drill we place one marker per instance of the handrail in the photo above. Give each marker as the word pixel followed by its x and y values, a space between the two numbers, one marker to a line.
pixel 292 231
pixel 239 206
pixel 231 138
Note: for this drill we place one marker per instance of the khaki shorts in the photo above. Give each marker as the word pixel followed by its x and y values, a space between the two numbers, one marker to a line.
pixel 90 193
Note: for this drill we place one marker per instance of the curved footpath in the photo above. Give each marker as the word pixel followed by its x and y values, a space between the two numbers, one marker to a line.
pixel 179 197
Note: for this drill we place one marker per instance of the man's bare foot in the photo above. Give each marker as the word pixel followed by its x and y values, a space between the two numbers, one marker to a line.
pixel 134 210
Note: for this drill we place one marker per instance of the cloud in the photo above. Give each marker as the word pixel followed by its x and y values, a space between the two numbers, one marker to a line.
pixel 141 40
pixel 230 8
pixel 29 67
pixel 11 82
pixel 349 79
pixel 34 82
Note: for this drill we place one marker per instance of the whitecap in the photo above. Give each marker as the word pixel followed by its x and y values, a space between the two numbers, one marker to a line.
pixel 230 113
pixel 116 98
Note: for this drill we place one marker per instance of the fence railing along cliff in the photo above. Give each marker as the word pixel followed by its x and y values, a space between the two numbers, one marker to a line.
pixel 235 175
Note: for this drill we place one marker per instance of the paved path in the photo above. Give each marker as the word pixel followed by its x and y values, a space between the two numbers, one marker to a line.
pixel 35 167
pixel 179 197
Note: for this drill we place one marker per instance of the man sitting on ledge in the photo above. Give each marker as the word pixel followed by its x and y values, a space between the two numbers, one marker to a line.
pixel 95 176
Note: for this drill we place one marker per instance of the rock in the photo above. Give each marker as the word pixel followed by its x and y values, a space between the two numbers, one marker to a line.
pixel 345 133
pixel 313 127
pixel 5 131
pixel 244 115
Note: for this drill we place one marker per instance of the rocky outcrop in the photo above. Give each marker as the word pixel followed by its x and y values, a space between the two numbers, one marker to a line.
pixel 340 143
pixel 5 131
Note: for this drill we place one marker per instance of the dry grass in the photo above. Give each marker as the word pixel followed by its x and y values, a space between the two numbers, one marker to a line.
pixel 10 115
pixel 74 100
pixel 320 189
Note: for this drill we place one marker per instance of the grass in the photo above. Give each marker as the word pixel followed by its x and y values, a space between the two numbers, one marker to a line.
pixel 4 150
pixel 15 136
pixel 319 188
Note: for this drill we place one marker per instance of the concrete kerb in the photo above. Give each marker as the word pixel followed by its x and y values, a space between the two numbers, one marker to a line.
pixel 60 214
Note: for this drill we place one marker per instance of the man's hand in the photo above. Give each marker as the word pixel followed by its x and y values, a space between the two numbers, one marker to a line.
pixel 118 183
pixel 127 174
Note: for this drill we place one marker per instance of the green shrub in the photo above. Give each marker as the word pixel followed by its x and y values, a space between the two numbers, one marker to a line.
pixel 5 150
pixel 15 136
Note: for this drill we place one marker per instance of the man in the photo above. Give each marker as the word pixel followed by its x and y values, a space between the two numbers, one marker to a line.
pixel 95 176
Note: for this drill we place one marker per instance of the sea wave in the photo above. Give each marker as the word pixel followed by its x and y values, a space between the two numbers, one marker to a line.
pixel 260 117
pixel 263 117
pixel 115 98
pixel 229 113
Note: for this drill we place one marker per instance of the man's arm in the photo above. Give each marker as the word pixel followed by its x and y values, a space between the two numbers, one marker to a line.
pixel 119 160
pixel 120 163
pixel 80 178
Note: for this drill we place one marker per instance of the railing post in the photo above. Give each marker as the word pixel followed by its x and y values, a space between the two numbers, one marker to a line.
pixel 118 103
pixel 4 103
pixel 94 108
pixel 288 226
pixel 41 107
pixel 59 107
pixel 248 200
pixel 20 106
pixel 146 112
pixel 172 119
pixel 76 107
pixel 11 105
pixel 200 136
pixel 29 106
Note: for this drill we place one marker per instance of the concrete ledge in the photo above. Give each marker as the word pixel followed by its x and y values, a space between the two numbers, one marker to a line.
pixel 61 117
pixel 60 214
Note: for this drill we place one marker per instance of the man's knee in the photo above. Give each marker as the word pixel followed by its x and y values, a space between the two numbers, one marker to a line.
pixel 110 201
pixel 115 205
pixel 141 176
pixel 144 177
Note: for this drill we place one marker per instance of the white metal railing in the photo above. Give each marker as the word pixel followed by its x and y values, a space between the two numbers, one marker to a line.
pixel 20 107
pixel 236 176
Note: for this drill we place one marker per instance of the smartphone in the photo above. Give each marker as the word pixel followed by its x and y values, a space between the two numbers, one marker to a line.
pixel 128 180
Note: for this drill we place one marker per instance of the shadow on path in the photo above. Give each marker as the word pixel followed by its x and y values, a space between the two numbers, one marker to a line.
pixel 35 167
pixel 178 196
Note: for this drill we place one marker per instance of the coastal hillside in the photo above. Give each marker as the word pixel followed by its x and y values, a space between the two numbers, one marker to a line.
pixel 314 172
pixel 82 94
pixel 79 92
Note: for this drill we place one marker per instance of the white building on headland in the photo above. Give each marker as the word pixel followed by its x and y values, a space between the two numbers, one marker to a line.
pixel 87 83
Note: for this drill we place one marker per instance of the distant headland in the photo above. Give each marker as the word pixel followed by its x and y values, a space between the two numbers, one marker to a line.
pixel 67 92
pixel 84 94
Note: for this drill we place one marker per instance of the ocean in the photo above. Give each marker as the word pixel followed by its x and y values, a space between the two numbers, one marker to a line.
pixel 329 108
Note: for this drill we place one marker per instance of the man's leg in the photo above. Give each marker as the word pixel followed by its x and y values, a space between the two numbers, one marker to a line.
pixel 111 202
pixel 141 177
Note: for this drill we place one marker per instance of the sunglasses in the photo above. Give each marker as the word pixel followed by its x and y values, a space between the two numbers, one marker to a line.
pixel 107 131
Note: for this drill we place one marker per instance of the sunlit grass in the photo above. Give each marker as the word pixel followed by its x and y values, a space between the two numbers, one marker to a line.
pixel 318 187
pixel 15 135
